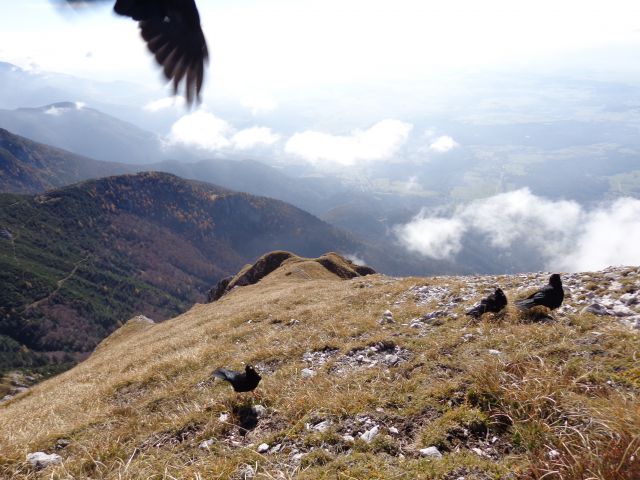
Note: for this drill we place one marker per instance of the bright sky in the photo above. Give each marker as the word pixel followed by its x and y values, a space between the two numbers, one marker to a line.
pixel 335 81
pixel 277 44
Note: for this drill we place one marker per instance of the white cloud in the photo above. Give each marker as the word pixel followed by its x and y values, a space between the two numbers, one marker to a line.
pixel 356 259
pixel 201 129
pixel 379 142
pixel 164 103
pixel 59 110
pixel 259 103
pixel 411 185
pixel 443 144
pixel 521 216
pixel 206 131
pixel 55 111
pixel 562 233
pixel 254 136
pixel 609 236
pixel 435 237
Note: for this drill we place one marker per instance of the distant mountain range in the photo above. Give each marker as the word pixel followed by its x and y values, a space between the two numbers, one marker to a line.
pixel 76 262
pixel 85 131
pixel 31 167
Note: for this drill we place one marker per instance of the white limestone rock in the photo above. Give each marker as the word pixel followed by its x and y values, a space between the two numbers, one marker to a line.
pixel 41 460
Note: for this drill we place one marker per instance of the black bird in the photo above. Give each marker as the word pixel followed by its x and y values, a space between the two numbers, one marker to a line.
pixel 493 303
pixel 172 31
pixel 550 295
pixel 241 382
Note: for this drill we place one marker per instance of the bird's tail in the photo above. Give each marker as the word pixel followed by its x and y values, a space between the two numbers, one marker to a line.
pixel 475 312
pixel 222 374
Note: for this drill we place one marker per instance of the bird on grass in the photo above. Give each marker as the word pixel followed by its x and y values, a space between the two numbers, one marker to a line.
pixel 493 303
pixel 241 382
pixel 172 31
pixel 549 296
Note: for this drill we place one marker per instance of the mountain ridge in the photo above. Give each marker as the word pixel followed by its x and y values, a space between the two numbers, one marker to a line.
pixel 85 257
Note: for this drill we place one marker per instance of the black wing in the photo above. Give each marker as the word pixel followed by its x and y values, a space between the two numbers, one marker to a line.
pixel 172 31
pixel 541 294
pixel 173 34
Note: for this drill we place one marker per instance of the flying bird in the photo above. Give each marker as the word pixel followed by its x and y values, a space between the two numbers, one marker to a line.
pixel 172 32
pixel 550 295
pixel 493 303
pixel 241 382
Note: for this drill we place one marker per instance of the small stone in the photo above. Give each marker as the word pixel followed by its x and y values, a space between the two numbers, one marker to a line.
pixel 479 452
pixel 620 310
pixel 387 317
pixel 391 359
pixel 370 434
pixel 297 457
pixel 616 286
pixel 596 309
pixel 307 373
pixel 42 460
pixel 348 438
pixel 393 430
pixel 494 352
pixel 223 418
pixel 430 452
pixel 247 472
pixel 633 322
pixel 276 449
pixel 259 410
pixel 263 448
pixel 206 444
pixel 322 426
pixel 553 454
pixel 467 336
pixel 630 298
pixel 62 443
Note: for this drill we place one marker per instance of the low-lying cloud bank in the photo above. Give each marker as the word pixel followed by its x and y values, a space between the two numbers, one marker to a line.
pixel 565 235
pixel 206 131
pixel 379 142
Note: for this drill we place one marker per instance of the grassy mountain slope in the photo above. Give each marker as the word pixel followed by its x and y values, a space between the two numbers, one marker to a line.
pixel 31 167
pixel 506 397
pixel 76 262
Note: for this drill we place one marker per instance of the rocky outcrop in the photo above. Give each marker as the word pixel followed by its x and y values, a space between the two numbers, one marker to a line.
pixel 270 262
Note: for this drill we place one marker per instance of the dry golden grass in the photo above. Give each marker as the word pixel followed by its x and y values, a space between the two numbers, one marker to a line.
pixel 139 407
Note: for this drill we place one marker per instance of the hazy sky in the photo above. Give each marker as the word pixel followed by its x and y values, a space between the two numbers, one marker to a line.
pixel 261 46
pixel 345 82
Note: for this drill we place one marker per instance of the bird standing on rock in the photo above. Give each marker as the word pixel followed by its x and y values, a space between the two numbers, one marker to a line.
pixel 172 31
pixel 493 303
pixel 241 382
pixel 549 296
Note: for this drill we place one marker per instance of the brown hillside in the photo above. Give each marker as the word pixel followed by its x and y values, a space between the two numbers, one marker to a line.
pixel 346 395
